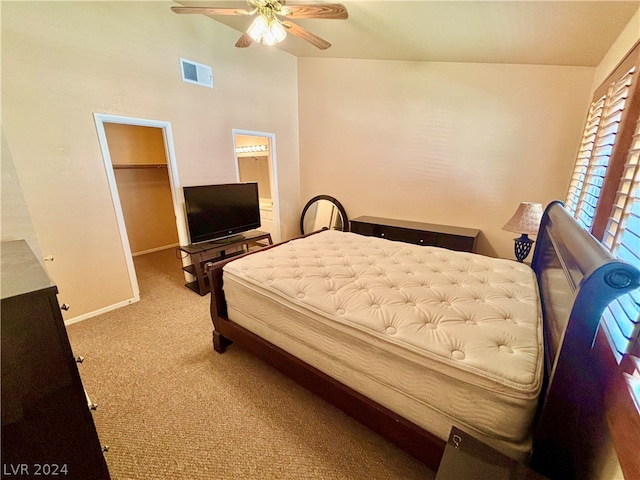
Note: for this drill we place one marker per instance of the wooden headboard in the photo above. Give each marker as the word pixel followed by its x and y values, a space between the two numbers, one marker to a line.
pixel 577 279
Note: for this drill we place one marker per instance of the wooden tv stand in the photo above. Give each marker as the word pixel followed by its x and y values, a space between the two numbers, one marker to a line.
pixel 202 253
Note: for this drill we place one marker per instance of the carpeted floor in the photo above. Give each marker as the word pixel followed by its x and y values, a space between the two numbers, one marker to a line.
pixel 171 408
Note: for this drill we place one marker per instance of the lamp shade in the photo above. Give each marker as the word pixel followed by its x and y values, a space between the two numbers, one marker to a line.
pixel 267 29
pixel 526 219
pixel 257 28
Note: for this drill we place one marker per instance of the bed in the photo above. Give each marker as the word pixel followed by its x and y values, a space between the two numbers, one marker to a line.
pixel 413 340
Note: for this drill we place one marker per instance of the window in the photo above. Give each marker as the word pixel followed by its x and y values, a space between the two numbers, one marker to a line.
pixel 604 197
pixel 633 382
pixel 604 189
pixel 584 155
pixel 598 141
pixel 621 320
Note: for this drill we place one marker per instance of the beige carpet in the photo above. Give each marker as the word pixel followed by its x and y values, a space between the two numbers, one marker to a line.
pixel 171 408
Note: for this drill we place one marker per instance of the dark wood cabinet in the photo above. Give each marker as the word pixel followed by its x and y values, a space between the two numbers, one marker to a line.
pixel 47 427
pixel 454 238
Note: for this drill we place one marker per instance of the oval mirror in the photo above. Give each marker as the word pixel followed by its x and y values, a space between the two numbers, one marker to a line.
pixel 321 212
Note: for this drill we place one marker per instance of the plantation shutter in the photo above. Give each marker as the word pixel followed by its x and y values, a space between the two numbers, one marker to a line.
pixel 607 131
pixel 621 320
pixel 633 382
pixel 584 154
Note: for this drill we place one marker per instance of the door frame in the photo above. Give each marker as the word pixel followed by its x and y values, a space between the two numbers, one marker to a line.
pixel 174 181
pixel 273 172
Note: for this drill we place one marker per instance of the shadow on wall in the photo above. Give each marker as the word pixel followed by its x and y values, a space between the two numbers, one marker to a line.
pixel 16 220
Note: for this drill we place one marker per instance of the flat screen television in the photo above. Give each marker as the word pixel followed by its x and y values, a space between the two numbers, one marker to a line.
pixel 222 210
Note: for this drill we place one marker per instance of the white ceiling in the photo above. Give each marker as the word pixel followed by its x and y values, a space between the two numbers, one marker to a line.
pixel 544 32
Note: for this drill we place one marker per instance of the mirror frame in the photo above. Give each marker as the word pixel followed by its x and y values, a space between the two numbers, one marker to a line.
pixel 345 219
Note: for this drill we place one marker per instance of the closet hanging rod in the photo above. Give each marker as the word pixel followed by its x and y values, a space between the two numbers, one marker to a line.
pixel 139 165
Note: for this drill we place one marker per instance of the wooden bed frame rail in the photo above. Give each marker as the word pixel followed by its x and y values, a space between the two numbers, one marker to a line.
pixel 577 279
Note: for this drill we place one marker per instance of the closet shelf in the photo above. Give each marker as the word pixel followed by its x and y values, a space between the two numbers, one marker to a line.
pixel 139 165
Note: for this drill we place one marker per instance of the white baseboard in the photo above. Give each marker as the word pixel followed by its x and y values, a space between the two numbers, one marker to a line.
pixel 152 250
pixel 100 311
pixel 115 306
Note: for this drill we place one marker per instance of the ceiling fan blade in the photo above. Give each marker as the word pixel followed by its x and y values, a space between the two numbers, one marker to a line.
pixel 298 31
pixel 244 41
pixel 328 10
pixel 211 10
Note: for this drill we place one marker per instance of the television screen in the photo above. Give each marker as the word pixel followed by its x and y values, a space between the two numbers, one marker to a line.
pixel 217 211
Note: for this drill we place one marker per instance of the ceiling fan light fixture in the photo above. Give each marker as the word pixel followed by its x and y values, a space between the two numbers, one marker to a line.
pixel 268 38
pixel 266 28
pixel 258 27
pixel 277 30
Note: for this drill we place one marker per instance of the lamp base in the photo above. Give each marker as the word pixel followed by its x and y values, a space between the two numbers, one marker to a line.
pixel 522 247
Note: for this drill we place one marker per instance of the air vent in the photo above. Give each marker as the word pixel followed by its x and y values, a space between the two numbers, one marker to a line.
pixel 196 73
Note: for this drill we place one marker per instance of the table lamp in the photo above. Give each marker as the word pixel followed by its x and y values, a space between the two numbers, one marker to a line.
pixel 525 221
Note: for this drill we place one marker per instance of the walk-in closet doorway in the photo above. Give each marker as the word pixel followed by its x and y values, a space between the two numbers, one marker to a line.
pixel 141 170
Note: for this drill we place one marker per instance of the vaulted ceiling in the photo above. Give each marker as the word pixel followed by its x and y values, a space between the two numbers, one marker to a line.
pixel 546 32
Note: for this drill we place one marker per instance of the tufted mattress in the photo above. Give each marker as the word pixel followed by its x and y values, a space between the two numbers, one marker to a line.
pixel 439 337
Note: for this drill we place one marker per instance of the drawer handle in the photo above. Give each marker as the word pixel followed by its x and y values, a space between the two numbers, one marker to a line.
pixel 382 234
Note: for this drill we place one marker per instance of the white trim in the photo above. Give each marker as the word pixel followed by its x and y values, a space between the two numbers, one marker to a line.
pixel 273 171
pixel 174 181
pixel 100 311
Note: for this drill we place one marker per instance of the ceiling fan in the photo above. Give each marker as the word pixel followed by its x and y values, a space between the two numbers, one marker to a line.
pixel 268 27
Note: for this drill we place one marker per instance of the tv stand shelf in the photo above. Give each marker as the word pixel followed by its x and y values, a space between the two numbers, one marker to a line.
pixel 202 253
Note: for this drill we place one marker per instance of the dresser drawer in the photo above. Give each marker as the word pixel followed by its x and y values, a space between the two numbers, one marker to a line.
pixel 418 237
pixel 453 238
pixel 364 228
pixel 454 242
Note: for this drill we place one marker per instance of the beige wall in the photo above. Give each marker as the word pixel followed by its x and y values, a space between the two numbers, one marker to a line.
pixel 140 168
pixel 15 220
pixel 147 207
pixel 624 43
pixel 461 144
pixel 64 61
pixel 135 144
pixel 256 169
pixel 450 143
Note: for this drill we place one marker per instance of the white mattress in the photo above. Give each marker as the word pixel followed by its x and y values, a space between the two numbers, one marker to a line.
pixel 440 337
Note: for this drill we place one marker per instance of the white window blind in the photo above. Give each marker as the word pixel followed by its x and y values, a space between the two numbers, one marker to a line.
pixel 584 154
pixel 594 170
pixel 621 319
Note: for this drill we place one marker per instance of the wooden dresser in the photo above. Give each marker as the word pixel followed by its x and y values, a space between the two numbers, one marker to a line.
pixel 453 238
pixel 47 427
